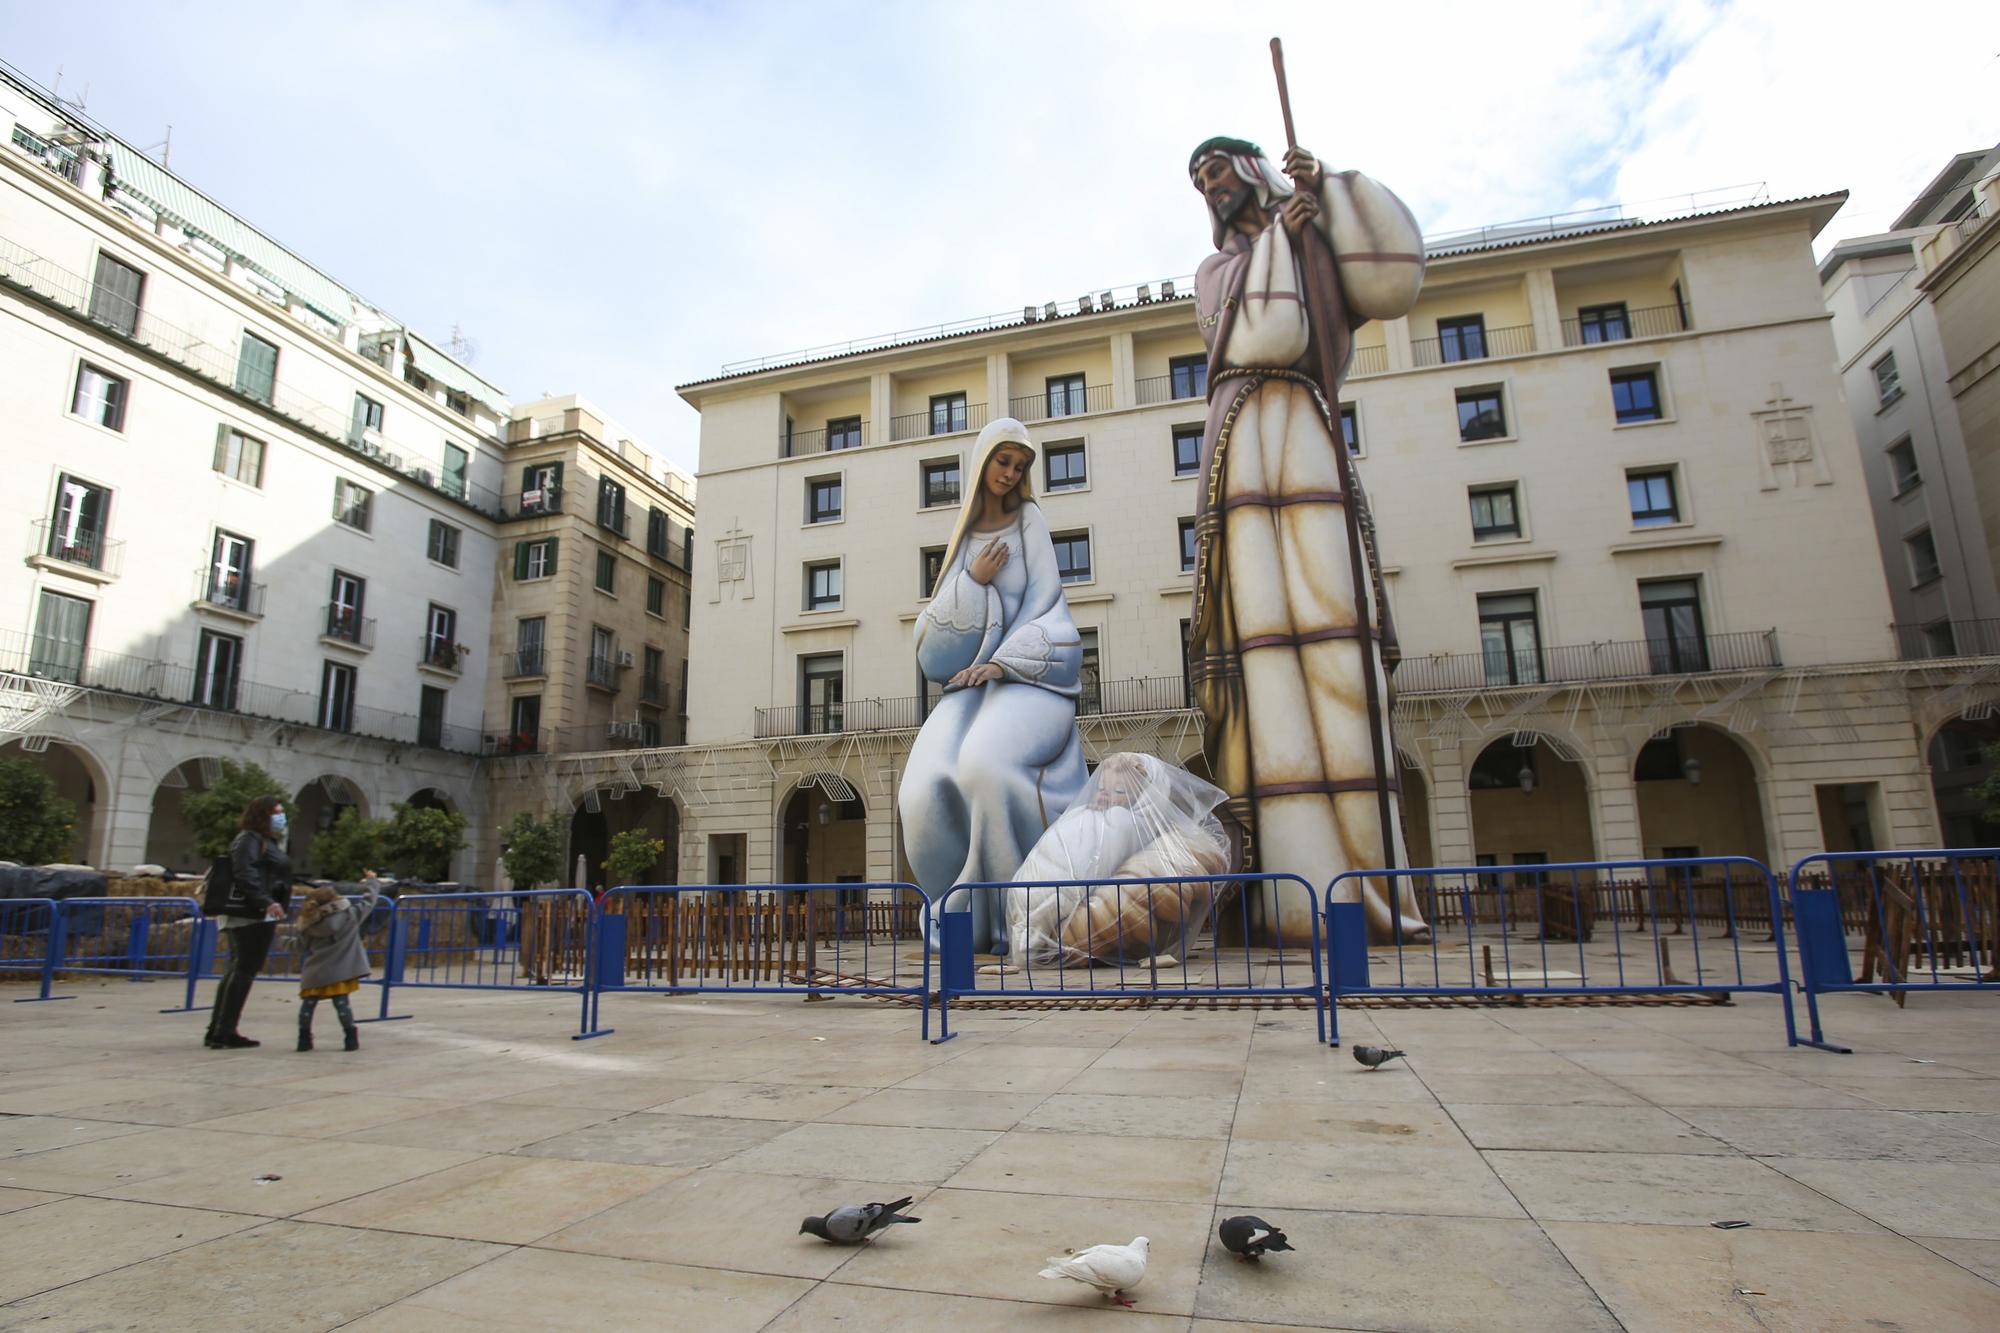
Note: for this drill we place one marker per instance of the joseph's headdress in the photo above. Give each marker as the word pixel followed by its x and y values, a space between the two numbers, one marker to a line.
pixel 1256 170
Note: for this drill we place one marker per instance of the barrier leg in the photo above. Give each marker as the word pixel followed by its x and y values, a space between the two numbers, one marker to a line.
pixel 49 959
pixel 392 971
pixel 606 968
pixel 201 948
pixel 955 971
pixel 1822 956
pixel 1346 958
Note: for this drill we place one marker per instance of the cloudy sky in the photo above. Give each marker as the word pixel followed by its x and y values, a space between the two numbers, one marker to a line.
pixel 615 198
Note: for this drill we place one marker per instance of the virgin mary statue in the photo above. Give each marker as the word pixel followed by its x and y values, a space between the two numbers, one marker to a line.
pixel 999 759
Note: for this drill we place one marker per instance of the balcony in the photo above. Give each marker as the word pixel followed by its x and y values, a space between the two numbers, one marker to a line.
pixel 602 673
pixel 1752 650
pixel 1144 694
pixel 799 443
pixel 591 737
pixel 1646 322
pixel 510 743
pixel 1141 694
pixel 436 654
pixel 1369 361
pixel 1947 638
pixel 524 662
pixel 532 503
pixel 923 425
pixel 1514 340
pixel 1048 406
pixel 652 689
pixel 228 593
pixel 343 626
pixel 84 552
pixel 1155 389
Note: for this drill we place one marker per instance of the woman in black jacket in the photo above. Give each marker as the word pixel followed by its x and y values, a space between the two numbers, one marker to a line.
pixel 260 891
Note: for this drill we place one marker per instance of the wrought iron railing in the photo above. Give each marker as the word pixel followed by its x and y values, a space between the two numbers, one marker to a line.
pixel 524 662
pixel 1369 361
pixel 1141 694
pixel 1162 389
pixel 602 672
pixel 1947 638
pixel 1051 404
pixel 652 689
pixel 228 591
pixel 348 626
pixel 1145 694
pixel 799 443
pixel 1651 321
pixel 439 654
pixel 1514 340
pixel 532 503
pixel 87 548
pixel 922 425
pixel 1749 650
pixel 511 743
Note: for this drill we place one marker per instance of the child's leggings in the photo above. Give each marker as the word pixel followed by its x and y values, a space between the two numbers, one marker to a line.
pixel 340 1006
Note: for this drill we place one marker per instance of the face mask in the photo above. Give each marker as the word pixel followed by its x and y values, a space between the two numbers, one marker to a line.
pixel 278 822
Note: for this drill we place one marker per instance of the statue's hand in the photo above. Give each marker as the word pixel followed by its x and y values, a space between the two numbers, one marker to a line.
pixel 1299 212
pixel 991 559
pixel 976 675
pixel 1304 169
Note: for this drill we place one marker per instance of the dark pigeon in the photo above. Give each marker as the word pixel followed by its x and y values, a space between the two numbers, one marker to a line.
pixel 855 1222
pixel 1240 1238
pixel 1375 1056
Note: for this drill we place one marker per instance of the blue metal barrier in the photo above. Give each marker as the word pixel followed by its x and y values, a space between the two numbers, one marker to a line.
pixel 1641 906
pixel 31 941
pixel 1094 948
pixel 282 962
pixel 528 939
pixel 815 940
pixel 141 939
pixel 1925 920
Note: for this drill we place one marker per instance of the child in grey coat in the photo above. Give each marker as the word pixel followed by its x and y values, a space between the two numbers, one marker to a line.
pixel 332 959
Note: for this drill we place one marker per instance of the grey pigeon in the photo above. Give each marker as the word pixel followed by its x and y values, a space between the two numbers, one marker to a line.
pixel 1240 1238
pixel 1374 1056
pixel 853 1223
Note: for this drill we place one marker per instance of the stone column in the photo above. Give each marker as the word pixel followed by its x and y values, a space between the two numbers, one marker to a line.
pixel 1397 336
pixel 1543 312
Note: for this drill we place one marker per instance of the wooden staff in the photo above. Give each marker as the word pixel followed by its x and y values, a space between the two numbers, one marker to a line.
pixel 1318 256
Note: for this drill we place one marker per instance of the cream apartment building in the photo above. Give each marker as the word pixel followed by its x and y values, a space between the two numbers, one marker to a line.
pixel 1622 515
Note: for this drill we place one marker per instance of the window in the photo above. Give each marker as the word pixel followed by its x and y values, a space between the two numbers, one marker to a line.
pixel 687 610
pixel 451 479
pixel 1189 376
pixel 611 505
pixel 1603 323
pixel 229 571
pixel 823 498
pixel 1510 638
pixel 1073 556
pixel 99 396
pixel 1651 495
pixel 1940 641
pixel 607 572
pixel 524 724
pixel 238 455
pixel 822 686
pixel 1187 450
pixel 353 504
pixel 218 667
pixel 603 667
pixel 528 640
pixel 947 413
pixel 823 586
pixel 651 683
pixel 1923 556
pixel 1065 395
pixel 115 295
pixel 1888 381
pixel 1635 395
pixel 343 607
pixel 1903 472
pixel 1090 697
pixel 1495 512
pixel 1480 415
pixel 656 597
pixel 657 538
pixel 458 402
pixel 257 368
pixel 443 544
pixel 930 567
pixel 940 483
pixel 1350 430
pixel 430 716
pixel 1187 544
pixel 536 559
pixel 367 416
pixel 1462 338
pixel 441 637
pixel 78 525
pixel 336 696
pixel 62 634
pixel 843 433
pixel 541 488
pixel 1066 466
pixel 1671 609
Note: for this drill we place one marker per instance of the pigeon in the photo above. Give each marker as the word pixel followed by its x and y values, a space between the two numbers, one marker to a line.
pixel 1112 1269
pixel 1374 1056
pixel 853 1223
pixel 1240 1238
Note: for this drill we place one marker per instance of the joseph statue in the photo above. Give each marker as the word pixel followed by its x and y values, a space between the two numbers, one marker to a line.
pixel 1291 646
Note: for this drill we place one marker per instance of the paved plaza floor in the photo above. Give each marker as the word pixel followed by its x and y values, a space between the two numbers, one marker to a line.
pixel 473 1168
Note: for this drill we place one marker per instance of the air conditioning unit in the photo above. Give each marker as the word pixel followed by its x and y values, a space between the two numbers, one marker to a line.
pixel 625 658
pixel 393 460
pixel 624 731
pixel 422 474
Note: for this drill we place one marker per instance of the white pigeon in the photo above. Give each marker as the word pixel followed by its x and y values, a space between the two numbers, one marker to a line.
pixel 1112 1269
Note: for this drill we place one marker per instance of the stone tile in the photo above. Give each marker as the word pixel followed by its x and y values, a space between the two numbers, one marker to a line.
pixel 1690 1062
pixel 653 1139
pixel 1676 1189
pixel 1738 1090
pixel 72 1239
pixel 1806 1062
pixel 1229 1058
pixel 1670 1278
pixel 1162 1117
pixel 412 1080
pixel 1977 1124
pixel 1155 1083
pixel 1574 1089
pixel 186 1103
pixel 764 1101
pixel 1019 1055
pixel 1792 1132
pixel 1014 1236
pixel 1380 1177
pixel 1954 1199
pixel 1644 1129
pixel 718 1218
pixel 1347 1083
pixel 13 1201
pixel 1928 1094
pixel 311 1173
pixel 876 1152
pixel 508 1200
pixel 938 1108
pixel 838 1305
pixel 1975 1256
pixel 324 1117
pixel 841 1069
pixel 1403 1273
pixel 59 1097
pixel 971 1076
pixel 128 1158
pixel 483 1127
pixel 280 1277
pixel 39 1133
pixel 608 1092
pixel 1363 1126
pixel 1104 1166
pixel 539 1289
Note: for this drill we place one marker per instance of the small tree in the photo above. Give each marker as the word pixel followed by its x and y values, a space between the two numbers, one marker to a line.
pixel 214 814
pixel 35 823
pixel 421 840
pixel 632 854
pixel 534 849
pixel 352 845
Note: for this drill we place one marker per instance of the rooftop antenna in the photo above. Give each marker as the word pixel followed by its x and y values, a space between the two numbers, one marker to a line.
pixel 73 103
pixel 165 149
pixel 461 347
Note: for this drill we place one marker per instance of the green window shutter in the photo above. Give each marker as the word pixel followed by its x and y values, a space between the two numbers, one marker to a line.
pixel 520 560
pixel 552 555
pixel 559 478
pixel 528 477
pixel 221 446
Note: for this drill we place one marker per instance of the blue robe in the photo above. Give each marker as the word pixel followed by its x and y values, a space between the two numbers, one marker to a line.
pixel 996 764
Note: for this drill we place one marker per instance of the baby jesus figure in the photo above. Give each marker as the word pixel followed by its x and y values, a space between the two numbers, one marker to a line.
pixel 1137 818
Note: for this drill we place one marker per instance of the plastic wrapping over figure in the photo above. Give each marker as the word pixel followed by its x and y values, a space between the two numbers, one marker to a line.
pixel 1137 818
